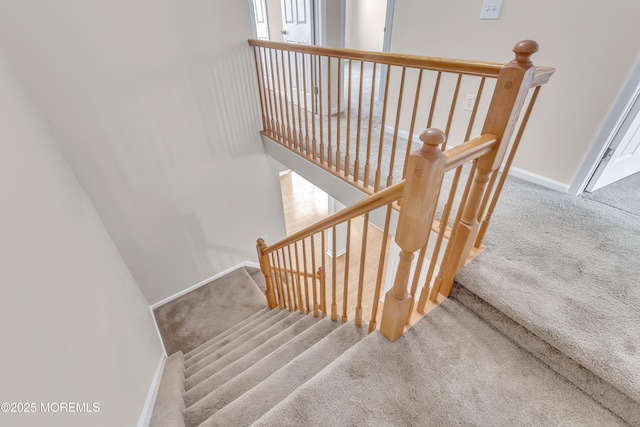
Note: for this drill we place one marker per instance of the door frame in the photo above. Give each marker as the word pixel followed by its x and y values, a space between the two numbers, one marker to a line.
pixel 628 95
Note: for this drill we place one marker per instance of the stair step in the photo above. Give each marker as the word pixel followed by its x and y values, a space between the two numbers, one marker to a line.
pixel 169 404
pixel 264 396
pixel 583 378
pixel 250 377
pixel 226 333
pixel 451 368
pixel 230 342
pixel 226 373
pixel 240 348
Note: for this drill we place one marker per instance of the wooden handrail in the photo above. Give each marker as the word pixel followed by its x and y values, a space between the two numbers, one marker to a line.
pixel 468 67
pixel 378 200
pixel 470 150
pixel 474 68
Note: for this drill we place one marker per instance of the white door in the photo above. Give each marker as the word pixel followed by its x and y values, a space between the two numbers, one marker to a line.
pixel 262 22
pixel 622 158
pixel 297 21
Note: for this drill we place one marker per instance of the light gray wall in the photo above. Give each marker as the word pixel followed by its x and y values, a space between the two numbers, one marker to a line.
pixel 593 48
pixel 75 326
pixel 365 24
pixel 155 106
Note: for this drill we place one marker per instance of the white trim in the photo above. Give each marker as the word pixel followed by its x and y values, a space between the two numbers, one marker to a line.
pixel 604 137
pixel 539 179
pixel 199 284
pixel 252 19
pixel 402 134
pixel 340 252
pixel 147 411
pixel 155 323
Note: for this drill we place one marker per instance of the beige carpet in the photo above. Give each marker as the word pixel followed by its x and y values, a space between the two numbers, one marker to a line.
pixel 186 322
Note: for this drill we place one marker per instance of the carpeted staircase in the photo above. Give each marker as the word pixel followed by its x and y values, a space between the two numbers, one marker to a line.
pixel 281 368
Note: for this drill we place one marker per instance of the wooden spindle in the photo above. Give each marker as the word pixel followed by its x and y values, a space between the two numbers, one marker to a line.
pixel 284 292
pixel 274 278
pixel 323 288
pixel 345 286
pixel 310 154
pixel 265 267
pixel 294 285
pixel 278 94
pixel 306 277
pixel 316 311
pixel 381 262
pixel 329 146
pixel 320 99
pixel 452 108
pixel 301 146
pixel 413 124
pixel 397 126
pixel 347 160
pixel 334 255
pixel 419 198
pixel 356 163
pixel 376 185
pixel 337 159
pixel 363 257
pixel 290 141
pixel 474 111
pixel 434 100
pixel 367 165
pixel 261 92
pixel 268 93
pixel 298 281
pixel 275 95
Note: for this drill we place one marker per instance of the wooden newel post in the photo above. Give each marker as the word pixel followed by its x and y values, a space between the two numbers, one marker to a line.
pixel 265 267
pixel 512 87
pixel 422 187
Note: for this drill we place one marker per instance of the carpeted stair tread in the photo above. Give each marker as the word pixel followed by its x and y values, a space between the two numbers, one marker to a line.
pixel 252 376
pixel 261 398
pixel 227 344
pixel 257 276
pixel 240 348
pixel 600 390
pixel 169 404
pixel 185 323
pixel 566 269
pixel 226 333
pixel 451 368
pixel 226 373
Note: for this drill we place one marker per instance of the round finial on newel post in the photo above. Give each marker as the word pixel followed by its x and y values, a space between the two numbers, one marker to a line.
pixel 524 50
pixel 431 139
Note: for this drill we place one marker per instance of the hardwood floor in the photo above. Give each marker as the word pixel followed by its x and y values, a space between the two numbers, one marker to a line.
pixel 305 204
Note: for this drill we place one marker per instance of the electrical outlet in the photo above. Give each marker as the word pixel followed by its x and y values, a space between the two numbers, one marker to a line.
pixel 491 9
pixel 469 102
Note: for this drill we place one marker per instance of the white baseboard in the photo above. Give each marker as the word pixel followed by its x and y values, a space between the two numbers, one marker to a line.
pixel 339 254
pixel 539 179
pixel 402 134
pixel 147 411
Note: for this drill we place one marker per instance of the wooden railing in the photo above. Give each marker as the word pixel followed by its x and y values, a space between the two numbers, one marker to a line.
pixel 302 109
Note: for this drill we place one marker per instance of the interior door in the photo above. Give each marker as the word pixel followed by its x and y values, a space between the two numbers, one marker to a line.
pixel 262 22
pixel 622 158
pixel 298 28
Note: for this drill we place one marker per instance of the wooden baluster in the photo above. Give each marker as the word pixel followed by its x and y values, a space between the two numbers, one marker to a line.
pixel 268 93
pixel 320 99
pixel 290 141
pixel 474 111
pixel 347 142
pixel 287 283
pixel 376 185
pixel 420 196
pixel 329 147
pixel 509 96
pixel 275 93
pixel 261 92
pixel 284 291
pixel 363 257
pixel 306 277
pixel 294 134
pixel 322 277
pixel 323 289
pixel 356 163
pixel 301 146
pixel 334 255
pixel 383 256
pixel 265 267
pixel 413 124
pixel 434 99
pixel 345 287
pixel 313 282
pixel 310 154
pixel 395 131
pixel 339 96
pixel 274 277
pixel 314 142
pixel 294 281
pixel 514 149
pixel 367 165
pixel 452 109
pixel 298 284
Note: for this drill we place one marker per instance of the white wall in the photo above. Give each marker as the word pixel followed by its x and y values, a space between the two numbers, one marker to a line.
pixel 592 47
pixel 154 103
pixel 365 24
pixel 75 326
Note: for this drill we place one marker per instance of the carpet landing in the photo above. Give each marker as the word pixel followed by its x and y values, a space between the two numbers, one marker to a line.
pixel 185 323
